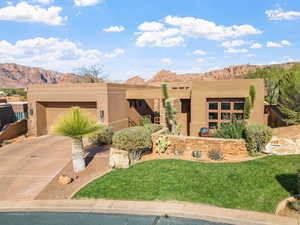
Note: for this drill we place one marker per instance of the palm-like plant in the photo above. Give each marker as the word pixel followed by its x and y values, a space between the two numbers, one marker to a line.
pixel 75 124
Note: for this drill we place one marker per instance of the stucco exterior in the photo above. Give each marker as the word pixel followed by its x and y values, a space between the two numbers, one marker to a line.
pixel 120 105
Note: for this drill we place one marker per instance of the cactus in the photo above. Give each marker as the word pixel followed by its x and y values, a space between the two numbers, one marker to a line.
pixel 252 94
pixel 172 125
pixel 249 102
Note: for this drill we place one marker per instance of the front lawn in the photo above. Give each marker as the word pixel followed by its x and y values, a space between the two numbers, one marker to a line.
pixel 256 185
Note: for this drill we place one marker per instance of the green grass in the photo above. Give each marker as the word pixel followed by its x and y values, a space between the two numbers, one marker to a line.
pixel 256 185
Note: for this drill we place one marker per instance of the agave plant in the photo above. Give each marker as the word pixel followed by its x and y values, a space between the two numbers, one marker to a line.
pixel 75 125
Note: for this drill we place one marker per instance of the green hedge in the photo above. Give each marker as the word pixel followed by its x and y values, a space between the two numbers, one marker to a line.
pixel 152 128
pixel 133 139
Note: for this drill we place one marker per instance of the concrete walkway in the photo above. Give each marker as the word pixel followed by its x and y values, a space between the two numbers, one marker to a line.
pixel 28 166
pixel 173 209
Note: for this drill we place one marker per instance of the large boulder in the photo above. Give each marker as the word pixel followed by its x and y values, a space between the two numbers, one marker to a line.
pixel 118 158
pixel 283 146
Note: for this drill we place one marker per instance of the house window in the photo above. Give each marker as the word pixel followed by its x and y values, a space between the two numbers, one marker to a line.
pixel 225 106
pixel 239 106
pixel 221 110
pixel 213 106
pixel 225 116
pixel 213 125
pixel 213 115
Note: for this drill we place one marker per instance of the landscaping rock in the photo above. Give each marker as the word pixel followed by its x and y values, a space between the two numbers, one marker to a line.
pixel 64 180
pixel 283 146
pixel 118 158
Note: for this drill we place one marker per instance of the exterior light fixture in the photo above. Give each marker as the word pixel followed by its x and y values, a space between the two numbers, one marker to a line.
pixel 102 115
pixel 30 112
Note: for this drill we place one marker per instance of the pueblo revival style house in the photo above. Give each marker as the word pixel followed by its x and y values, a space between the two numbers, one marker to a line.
pixel 199 103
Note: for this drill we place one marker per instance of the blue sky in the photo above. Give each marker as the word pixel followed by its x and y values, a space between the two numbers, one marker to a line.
pixel 141 37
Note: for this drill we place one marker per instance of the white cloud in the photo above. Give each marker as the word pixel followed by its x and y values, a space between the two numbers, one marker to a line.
pixel 115 53
pixel 51 53
pixel 44 2
pixel 199 52
pixel 114 29
pixel 167 61
pixel 200 60
pixel 251 55
pixel 235 43
pixel 271 44
pixel 164 38
pixel 196 27
pixel 281 44
pixel 87 2
pixel 286 43
pixel 234 50
pixel 288 59
pixel 172 31
pixel 151 26
pixel 256 46
pixel 279 14
pixel 24 12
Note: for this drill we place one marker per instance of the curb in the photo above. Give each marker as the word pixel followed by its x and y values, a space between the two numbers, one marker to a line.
pixel 86 183
pixel 174 209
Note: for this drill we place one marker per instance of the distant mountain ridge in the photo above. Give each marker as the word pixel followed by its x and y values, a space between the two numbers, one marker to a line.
pixel 18 76
pixel 228 73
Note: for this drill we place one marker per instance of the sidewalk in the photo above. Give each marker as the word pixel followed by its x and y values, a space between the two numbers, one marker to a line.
pixel 174 209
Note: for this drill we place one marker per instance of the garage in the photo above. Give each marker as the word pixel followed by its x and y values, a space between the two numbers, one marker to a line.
pixel 48 113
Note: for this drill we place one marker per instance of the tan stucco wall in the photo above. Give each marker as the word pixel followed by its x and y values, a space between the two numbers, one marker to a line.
pixel 113 100
pixel 202 90
pixel 41 95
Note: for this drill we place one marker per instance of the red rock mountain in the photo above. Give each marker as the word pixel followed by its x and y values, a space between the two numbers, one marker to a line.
pixel 17 76
pixel 135 80
pixel 233 72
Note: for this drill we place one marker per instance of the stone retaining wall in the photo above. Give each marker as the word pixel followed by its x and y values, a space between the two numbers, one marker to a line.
pixel 229 147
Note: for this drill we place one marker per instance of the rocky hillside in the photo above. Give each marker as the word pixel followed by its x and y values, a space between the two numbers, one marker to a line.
pixel 135 80
pixel 233 72
pixel 17 76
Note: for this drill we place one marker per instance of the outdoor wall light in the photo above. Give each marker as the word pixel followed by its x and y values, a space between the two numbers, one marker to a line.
pixel 30 112
pixel 102 115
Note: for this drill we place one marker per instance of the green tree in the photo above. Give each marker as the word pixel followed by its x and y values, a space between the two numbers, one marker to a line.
pixel 75 125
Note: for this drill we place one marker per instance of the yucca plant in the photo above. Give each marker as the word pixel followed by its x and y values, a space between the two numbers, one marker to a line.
pixel 75 125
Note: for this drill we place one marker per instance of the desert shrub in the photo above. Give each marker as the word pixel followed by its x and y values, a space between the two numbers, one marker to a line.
pixel 152 128
pixel 132 139
pixel 145 121
pixel 103 136
pixel 215 154
pixel 233 130
pixel 295 205
pixel 197 154
pixel 162 144
pixel 257 137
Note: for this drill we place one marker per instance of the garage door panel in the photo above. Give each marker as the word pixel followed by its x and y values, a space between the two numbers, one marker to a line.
pixel 55 109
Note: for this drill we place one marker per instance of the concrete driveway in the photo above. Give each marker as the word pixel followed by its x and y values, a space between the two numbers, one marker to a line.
pixel 27 167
